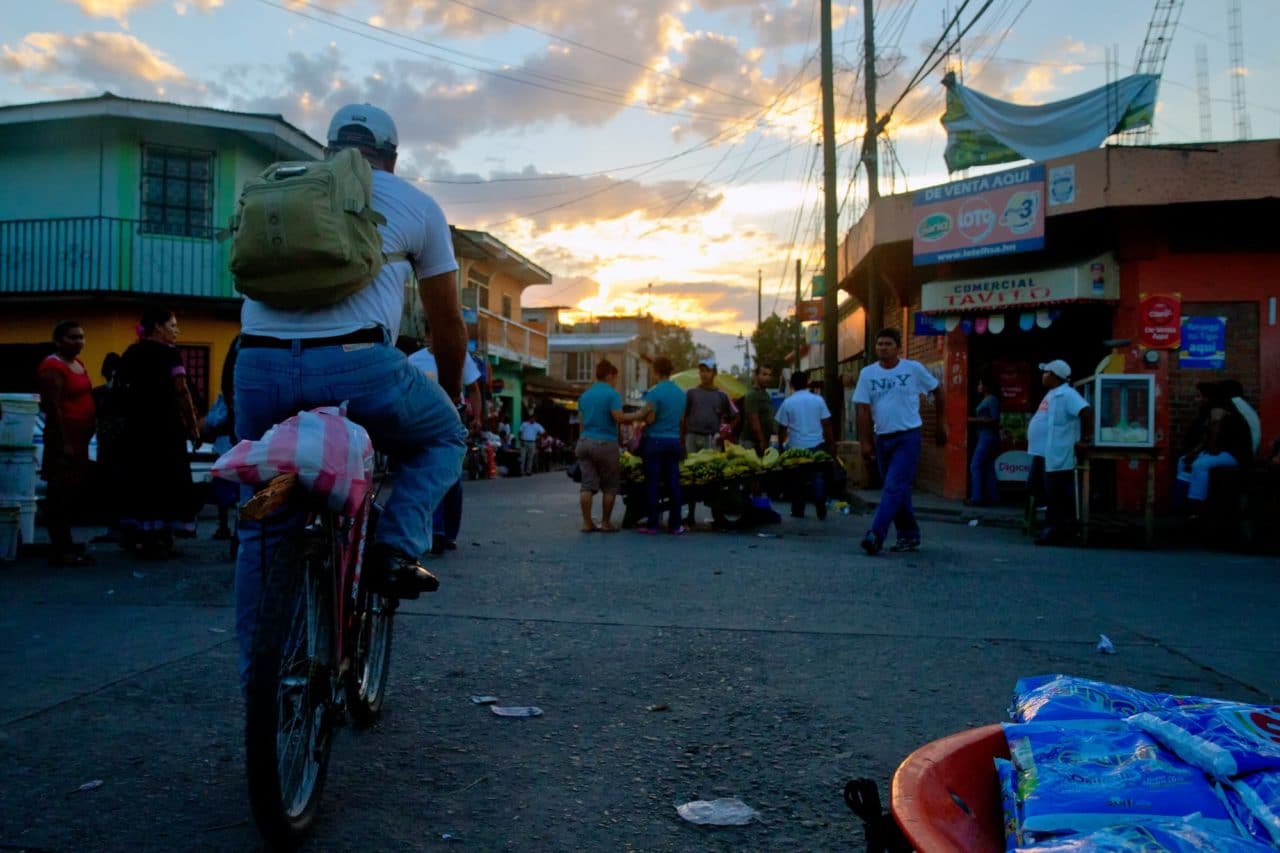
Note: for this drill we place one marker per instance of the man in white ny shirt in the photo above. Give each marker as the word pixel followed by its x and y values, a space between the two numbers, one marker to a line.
pixel 888 394
pixel 1052 434
pixel 292 359
pixel 530 432
pixel 804 421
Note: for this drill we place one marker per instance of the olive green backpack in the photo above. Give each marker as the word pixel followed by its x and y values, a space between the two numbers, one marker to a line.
pixel 305 234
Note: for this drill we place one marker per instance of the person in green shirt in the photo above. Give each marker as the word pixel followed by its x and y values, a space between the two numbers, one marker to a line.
pixel 757 412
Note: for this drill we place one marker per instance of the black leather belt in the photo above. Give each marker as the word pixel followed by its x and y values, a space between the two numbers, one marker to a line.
pixel 373 335
pixel 898 433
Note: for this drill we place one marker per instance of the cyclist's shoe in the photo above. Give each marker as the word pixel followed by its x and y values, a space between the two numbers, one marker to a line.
pixel 397 575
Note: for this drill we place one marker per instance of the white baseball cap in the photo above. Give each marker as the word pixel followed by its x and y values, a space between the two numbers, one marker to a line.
pixel 369 117
pixel 1058 368
pixel 708 362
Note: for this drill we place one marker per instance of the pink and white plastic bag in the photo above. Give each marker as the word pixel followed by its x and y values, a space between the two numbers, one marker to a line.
pixel 333 457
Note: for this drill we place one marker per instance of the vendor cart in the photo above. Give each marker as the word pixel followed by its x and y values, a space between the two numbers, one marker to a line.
pixel 728 498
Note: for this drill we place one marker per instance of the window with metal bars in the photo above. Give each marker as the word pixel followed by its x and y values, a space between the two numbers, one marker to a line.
pixel 177 192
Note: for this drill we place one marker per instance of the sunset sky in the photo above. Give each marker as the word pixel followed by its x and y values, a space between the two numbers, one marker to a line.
pixel 652 155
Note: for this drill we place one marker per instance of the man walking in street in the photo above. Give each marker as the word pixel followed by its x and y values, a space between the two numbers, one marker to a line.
pixel 706 409
pixel 757 412
pixel 530 432
pixel 1052 434
pixel 889 394
pixel 297 358
pixel 804 422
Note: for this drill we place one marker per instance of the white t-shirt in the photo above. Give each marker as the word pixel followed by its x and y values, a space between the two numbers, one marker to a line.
pixel 894 394
pixel 1055 428
pixel 425 361
pixel 530 430
pixel 415 224
pixel 802 415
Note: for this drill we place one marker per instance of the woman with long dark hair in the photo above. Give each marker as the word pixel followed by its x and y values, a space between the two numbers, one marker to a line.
pixel 158 497
pixel 66 396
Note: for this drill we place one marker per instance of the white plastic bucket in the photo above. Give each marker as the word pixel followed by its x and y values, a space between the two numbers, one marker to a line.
pixel 9 533
pixel 26 518
pixel 18 471
pixel 18 421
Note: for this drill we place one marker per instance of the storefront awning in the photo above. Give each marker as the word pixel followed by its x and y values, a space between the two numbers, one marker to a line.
pixel 1097 280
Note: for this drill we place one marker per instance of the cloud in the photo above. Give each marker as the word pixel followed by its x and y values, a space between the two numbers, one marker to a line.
pixel 567 201
pixel 120 10
pixel 92 62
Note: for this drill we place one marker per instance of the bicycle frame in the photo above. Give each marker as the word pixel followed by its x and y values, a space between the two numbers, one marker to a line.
pixel 348 536
pixel 348 543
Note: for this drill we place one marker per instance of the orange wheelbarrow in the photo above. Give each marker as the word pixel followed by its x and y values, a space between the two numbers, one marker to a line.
pixel 945 798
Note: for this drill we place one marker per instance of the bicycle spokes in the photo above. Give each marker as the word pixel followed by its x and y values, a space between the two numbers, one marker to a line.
pixel 305 693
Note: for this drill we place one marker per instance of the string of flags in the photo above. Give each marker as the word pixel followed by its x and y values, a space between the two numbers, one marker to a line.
pixel 941 324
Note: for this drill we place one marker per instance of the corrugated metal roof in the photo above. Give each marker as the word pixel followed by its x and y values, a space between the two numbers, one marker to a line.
pixel 589 342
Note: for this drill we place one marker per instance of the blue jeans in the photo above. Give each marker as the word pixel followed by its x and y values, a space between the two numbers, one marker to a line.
pixel 407 415
pixel 447 519
pixel 983 487
pixel 896 457
pixel 662 462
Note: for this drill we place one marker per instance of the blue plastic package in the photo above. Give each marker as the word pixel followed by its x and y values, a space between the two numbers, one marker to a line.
pixel 1007 777
pixel 1254 802
pixel 1078 777
pixel 1067 697
pixel 1152 836
pixel 1222 739
pixel 1046 698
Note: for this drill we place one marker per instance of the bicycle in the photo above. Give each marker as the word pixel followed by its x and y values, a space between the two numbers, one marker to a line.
pixel 321 653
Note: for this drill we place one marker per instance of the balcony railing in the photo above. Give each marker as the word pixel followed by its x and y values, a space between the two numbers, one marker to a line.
pixel 95 254
pixel 499 336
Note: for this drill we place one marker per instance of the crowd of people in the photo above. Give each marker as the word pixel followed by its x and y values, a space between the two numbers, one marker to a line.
pixel 285 359
pixel 143 416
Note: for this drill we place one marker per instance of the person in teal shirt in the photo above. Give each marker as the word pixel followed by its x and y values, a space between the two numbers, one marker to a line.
pixel 600 410
pixel 661 448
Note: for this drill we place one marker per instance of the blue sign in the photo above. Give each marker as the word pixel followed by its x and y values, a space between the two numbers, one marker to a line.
pixel 1204 343
pixel 928 324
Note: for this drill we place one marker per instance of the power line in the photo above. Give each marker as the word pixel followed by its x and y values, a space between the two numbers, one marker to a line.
pixel 601 52
pixel 480 70
pixel 782 93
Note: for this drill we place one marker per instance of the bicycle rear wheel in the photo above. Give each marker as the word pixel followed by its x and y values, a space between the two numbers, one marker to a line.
pixel 367 678
pixel 290 702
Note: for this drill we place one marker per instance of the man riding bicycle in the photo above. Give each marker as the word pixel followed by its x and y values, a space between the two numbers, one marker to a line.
pixel 294 359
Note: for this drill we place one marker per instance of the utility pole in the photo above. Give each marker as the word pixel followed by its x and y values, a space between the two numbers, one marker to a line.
pixel 796 364
pixel 871 163
pixel 831 387
pixel 870 156
pixel 759 298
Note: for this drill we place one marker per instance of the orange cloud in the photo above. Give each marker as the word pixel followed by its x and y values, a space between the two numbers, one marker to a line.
pixel 90 55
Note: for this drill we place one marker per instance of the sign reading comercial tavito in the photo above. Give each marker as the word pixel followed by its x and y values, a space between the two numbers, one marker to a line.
pixel 1098 279
pixel 995 214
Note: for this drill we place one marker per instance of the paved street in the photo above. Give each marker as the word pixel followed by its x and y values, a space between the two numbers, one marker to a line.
pixel 788 665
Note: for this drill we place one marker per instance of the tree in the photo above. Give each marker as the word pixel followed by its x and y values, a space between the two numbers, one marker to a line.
pixel 774 340
pixel 676 343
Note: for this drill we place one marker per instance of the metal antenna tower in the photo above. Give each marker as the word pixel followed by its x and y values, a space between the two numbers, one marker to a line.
pixel 1152 54
pixel 1202 92
pixel 1235 25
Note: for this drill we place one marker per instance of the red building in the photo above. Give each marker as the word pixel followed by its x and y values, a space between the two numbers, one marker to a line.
pixel 1199 224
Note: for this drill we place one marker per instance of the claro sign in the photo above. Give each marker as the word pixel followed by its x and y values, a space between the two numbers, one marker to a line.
pixel 995 214
pixel 1160 321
